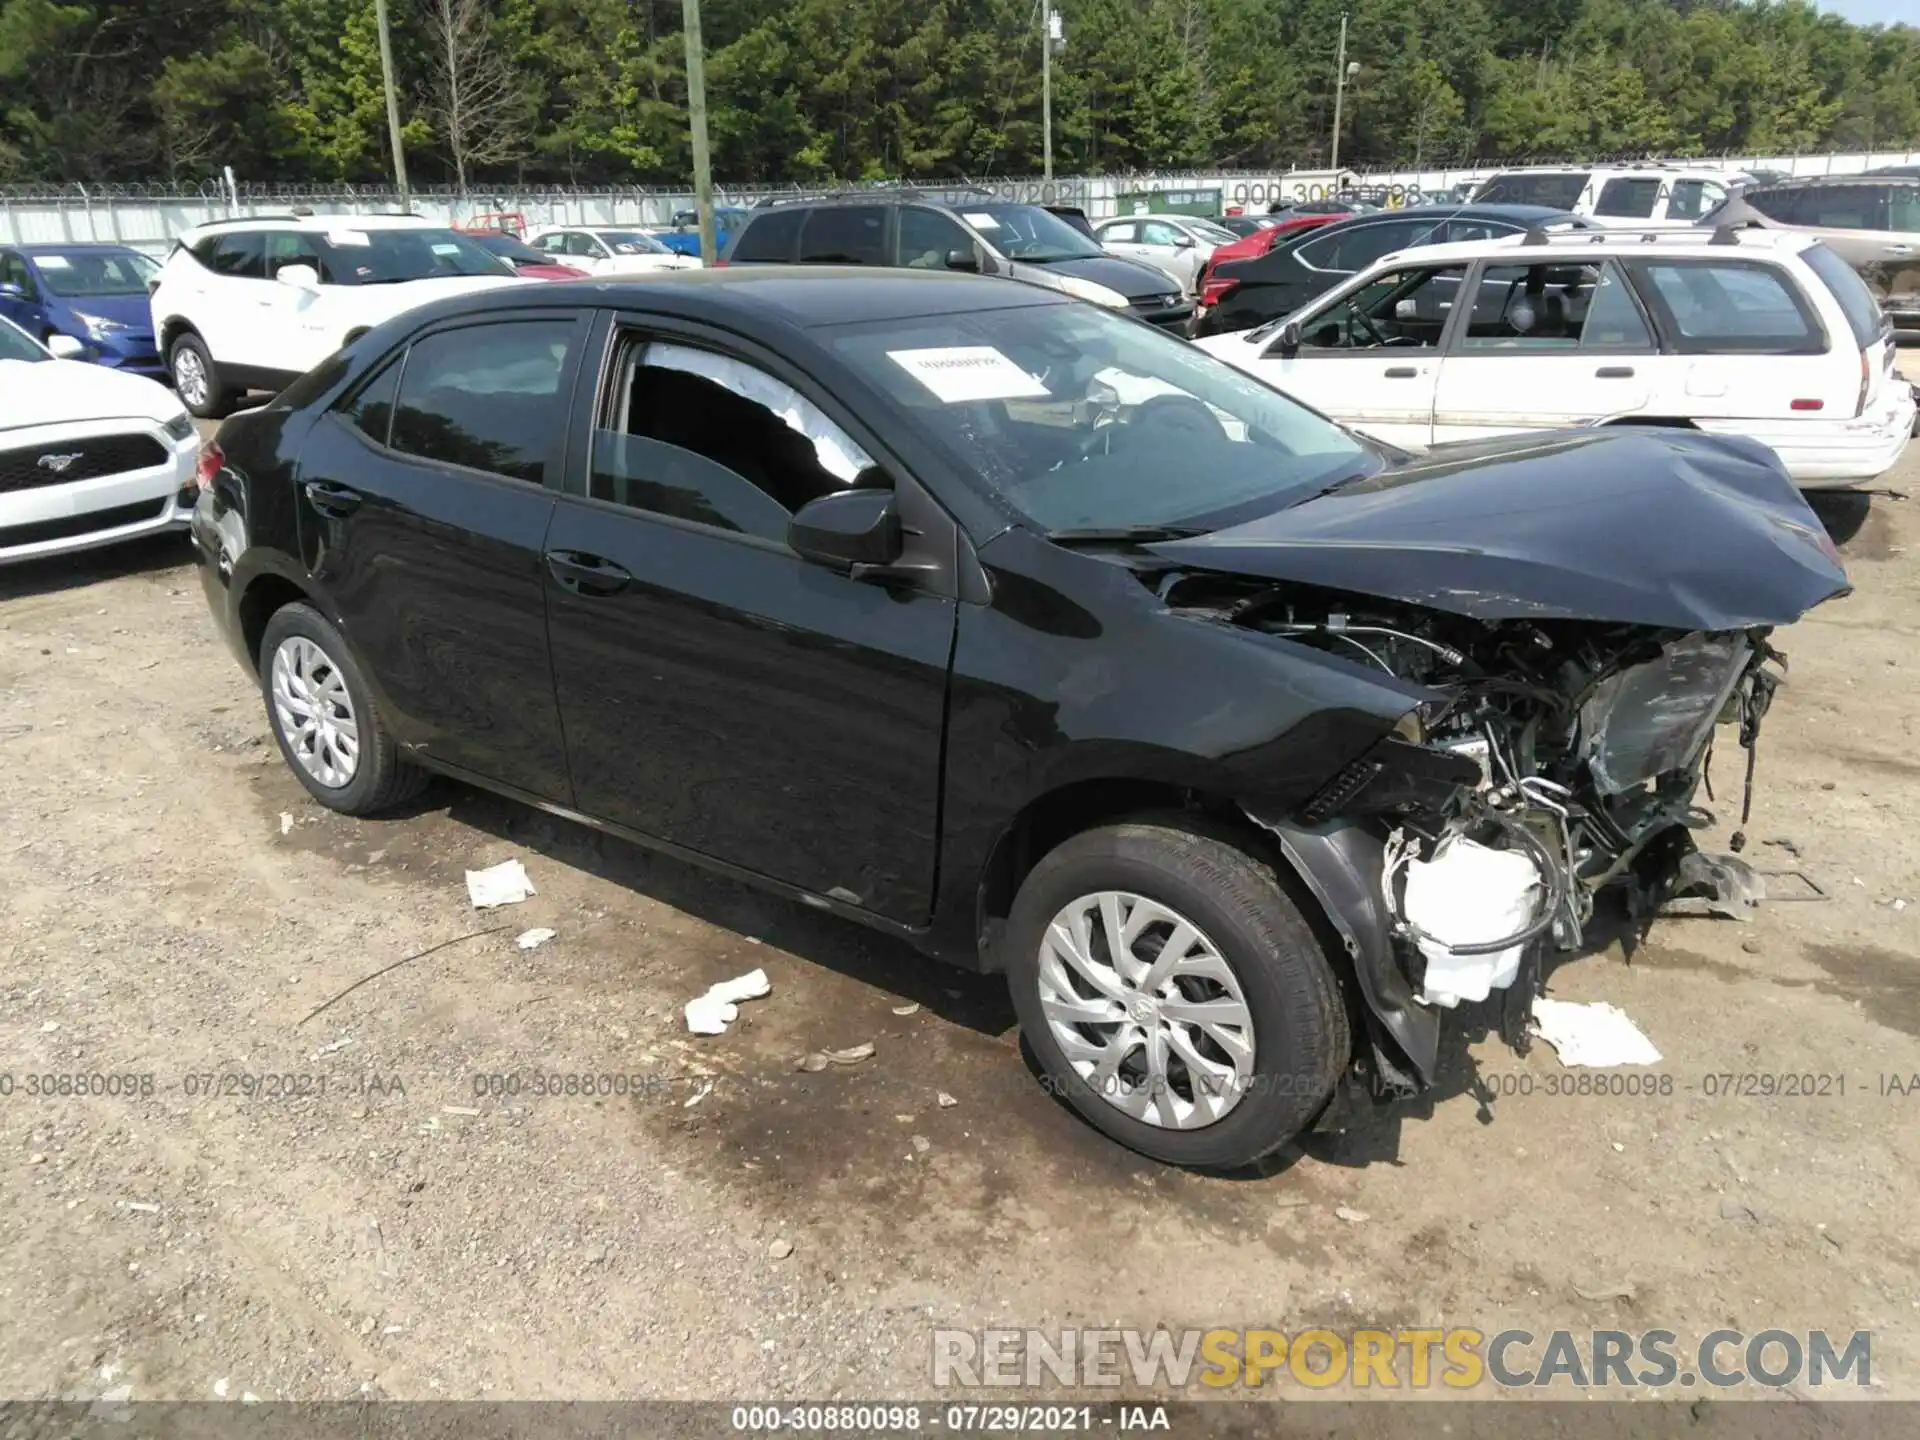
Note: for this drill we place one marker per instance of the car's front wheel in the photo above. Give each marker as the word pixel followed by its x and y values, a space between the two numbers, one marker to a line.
pixel 196 379
pixel 323 716
pixel 1173 993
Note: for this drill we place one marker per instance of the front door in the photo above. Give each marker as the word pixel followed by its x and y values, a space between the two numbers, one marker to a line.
pixel 1546 345
pixel 718 692
pixel 20 299
pixel 1371 358
pixel 423 510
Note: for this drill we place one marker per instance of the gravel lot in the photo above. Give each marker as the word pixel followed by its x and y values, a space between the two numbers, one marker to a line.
pixel 175 907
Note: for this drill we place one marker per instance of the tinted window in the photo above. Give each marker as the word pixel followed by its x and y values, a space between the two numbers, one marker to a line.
pixel 1122 234
pixel 95 272
pixel 1355 249
pixel 290 247
pixel 1479 230
pixel 769 237
pixel 1774 204
pixel 1559 189
pixel 1903 209
pixel 1406 309
pixel 486 397
pixel 1842 207
pixel 845 235
pixel 1030 232
pixel 1554 307
pixel 580 246
pixel 14 271
pixel 927 237
pixel 1724 306
pixel 371 408
pixel 1628 197
pixel 703 437
pixel 16 345
pixel 239 255
pixel 1862 311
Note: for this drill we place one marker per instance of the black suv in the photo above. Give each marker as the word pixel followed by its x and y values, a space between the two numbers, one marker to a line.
pixel 957 230
pixel 1025 632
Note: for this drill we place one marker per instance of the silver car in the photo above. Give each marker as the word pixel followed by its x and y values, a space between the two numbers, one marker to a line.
pixel 1181 245
pixel 1872 221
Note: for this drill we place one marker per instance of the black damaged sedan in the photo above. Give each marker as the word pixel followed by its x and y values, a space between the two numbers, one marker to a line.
pixel 1244 747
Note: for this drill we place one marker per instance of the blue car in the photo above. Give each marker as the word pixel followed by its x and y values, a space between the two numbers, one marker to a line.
pixel 684 237
pixel 95 293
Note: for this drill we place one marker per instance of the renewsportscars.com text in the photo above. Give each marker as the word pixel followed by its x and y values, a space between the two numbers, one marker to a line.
pixel 1456 1358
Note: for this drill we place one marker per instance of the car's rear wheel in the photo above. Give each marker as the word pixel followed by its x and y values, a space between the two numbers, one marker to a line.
pixel 323 717
pixel 196 379
pixel 1173 993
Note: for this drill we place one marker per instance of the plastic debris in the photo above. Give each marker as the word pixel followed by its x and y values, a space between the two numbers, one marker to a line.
pixel 910 1008
pixel 697 1096
pixel 502 884
pixel 1349 1214
pixel 711 1013
pixel 286 823
pixel 1598 1036
pixel 1623 1290
pixel 814 1061
pixel 946 1101
pixel 534 939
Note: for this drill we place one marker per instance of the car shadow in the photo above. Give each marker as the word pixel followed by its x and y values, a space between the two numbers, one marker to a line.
pixel 1842 512
pixel 146 555
pixel 960 997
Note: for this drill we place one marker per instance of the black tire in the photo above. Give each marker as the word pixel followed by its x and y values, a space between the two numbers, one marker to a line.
pixel 1301 1038
pixel 382 777
pixel 220 398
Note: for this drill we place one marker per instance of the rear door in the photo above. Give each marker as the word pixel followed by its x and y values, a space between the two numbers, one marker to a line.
pixel 1370 359
pixel 720 693
pixel 1547 344
pixel 230 299
pixel 424 506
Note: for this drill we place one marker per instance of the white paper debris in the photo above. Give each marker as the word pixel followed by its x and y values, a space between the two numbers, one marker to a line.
pixel 1470 894
pixel 1597 1036
pixel 711 1013
pixel 959 374
pixel 534 939
pixel 286 823
pixel 502 884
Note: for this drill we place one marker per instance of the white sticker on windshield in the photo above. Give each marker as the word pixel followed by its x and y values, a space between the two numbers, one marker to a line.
pixel 348 237
pixel 51 262
pixel 444 248
pixel 627 247
pixel 958 374
pixel 980 220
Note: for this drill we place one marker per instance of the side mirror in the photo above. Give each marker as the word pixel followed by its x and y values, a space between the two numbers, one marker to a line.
pixel 852 530
pixel 1289 342
pixel 11 291
pixel 968 260
pixel 1407 309
pixel 1183 242
pixel 65 347
pixel 303 277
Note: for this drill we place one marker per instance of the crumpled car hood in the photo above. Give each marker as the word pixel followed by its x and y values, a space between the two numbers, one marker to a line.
pixel 1631 526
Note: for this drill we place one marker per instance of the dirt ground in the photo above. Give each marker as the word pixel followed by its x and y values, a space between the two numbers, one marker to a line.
pixel 175 907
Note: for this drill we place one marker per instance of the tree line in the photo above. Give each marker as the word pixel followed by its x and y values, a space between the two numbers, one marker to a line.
pixel 594 91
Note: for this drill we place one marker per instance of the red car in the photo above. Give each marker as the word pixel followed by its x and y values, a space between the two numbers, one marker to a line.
pixel 1248 246
pixel 524 258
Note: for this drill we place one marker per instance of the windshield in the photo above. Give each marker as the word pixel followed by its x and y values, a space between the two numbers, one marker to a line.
pixel 390 257
pixel 1081 419
pixel 632 242
pixel 1026 232
pixel 95 272
pixel 15 345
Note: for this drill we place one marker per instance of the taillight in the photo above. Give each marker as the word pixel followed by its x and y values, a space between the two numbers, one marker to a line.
pixel 211 461
pixel 1214 289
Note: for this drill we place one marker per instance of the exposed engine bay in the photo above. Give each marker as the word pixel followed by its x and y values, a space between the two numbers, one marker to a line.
pixel 1553 759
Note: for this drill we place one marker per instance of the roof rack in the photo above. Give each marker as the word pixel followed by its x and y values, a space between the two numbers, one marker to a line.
pixel 1642 234
pixel 881 195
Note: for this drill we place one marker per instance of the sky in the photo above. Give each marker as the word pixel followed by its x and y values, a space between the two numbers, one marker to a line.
pixel 1874 12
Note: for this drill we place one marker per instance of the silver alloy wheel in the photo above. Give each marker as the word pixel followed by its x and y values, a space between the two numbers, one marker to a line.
pixel 190 376
pixel 314 712
pixel 1146 1009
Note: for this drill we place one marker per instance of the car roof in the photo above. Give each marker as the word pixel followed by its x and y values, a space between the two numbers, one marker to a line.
pixel 311 223
pixel 1492 210
pixel 1574 245
pixel 61 247
pixel 745 297
pixel 1909 175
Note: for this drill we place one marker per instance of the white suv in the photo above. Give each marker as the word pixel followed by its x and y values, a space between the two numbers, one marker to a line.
pixel 1652 195
pixel 250 304
pixel 1761 333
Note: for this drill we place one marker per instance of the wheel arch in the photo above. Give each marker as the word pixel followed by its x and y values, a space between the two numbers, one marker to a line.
pixel 265 594
pixel 174 327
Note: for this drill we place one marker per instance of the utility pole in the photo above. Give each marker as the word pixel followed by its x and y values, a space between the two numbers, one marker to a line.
pixel 697 120
pixel 1053 38
pixel 393 103
pixel 1339 93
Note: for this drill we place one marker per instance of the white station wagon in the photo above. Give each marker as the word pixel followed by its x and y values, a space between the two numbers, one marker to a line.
pixel 1762 333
